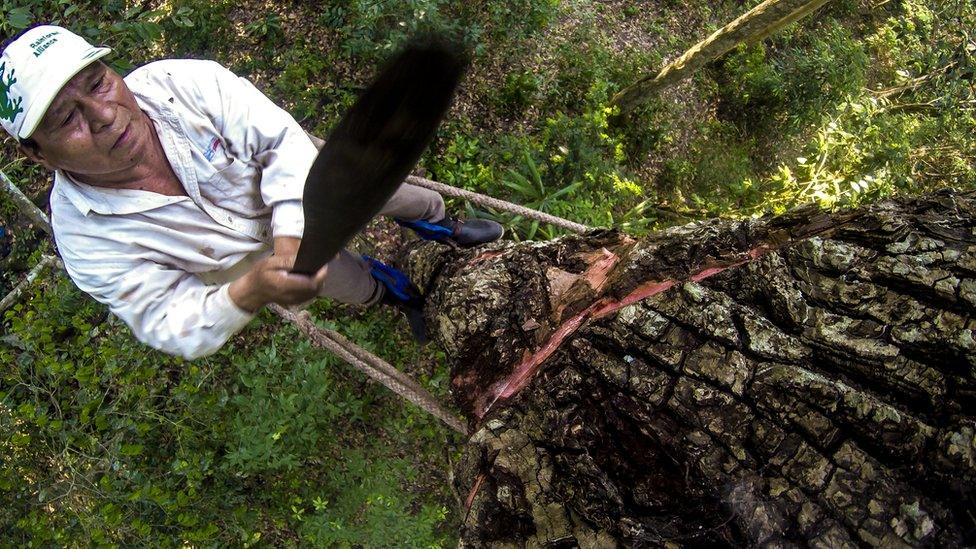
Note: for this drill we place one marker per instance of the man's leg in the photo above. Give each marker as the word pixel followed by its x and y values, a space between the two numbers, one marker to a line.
pixel 422 210
pixel 355 280
pixel 349 281
pixel 365 281
pixel 413 203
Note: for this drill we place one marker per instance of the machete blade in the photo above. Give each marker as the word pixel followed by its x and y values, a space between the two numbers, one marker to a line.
pixel 374 147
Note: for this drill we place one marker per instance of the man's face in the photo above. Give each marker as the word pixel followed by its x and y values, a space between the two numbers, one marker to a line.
pixel 94 129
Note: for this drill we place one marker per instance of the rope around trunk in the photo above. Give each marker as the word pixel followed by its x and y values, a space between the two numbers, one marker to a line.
pixel 491 202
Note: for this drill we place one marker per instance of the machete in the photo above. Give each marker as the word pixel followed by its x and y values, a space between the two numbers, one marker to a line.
pixel 375 145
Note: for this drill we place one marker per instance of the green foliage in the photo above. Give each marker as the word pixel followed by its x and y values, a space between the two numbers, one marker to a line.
pixel 583 61
pixel 517 92
pixel 106 442
pixel 369 31
pixel 267 28
pixel 515 20
pixel 572 168
pixel 304 87
pixel 193 28
pixel 460 164
pixel 763 89
pixel 717 173
pixel 365 507
pixel 913 136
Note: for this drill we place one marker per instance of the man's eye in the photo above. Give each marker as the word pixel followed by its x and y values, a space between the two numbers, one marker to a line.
pixel 67 119
pixel 98 83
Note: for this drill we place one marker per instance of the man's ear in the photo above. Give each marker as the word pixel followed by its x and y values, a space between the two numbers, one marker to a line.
pixel 35 155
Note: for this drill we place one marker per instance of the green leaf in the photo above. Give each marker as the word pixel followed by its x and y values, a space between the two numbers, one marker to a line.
pixel 19 17
pixel 131 449
pixel 565 190
pixel 20 439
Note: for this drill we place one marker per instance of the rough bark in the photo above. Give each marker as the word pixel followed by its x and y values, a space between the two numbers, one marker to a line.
pixel 808 379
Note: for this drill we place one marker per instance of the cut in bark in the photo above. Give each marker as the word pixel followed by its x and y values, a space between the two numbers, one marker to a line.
pixel 807 379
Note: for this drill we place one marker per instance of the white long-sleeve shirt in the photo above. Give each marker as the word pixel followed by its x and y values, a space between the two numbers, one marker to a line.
pixel 163 264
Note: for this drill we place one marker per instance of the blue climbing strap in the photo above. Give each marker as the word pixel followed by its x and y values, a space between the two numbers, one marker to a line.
pixel 394 280
pixel 428 230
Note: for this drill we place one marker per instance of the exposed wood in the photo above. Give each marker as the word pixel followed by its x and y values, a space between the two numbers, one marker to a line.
pixel 753 26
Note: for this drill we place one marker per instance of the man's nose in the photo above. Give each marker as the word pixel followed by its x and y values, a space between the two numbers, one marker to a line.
pixel 100 114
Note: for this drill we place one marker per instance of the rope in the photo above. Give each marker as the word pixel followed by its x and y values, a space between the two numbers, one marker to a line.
pixel 371 365
pixel 482 200
pixel 491 202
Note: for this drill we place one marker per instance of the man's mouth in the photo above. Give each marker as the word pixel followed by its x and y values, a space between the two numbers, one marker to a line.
pixel 123 137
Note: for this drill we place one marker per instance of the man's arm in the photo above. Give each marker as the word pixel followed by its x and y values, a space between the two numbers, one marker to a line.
pixel 168 308
pixel 175 312
pixel 258 131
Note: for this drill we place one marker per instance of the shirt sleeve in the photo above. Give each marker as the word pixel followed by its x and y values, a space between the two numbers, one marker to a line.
pixel 259 131
pixel 166 308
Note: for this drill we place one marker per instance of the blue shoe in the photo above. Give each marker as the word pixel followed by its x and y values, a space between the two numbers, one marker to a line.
pixel 463 233
pixel 402 294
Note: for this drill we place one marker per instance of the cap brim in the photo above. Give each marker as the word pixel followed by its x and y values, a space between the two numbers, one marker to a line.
pixel 34 114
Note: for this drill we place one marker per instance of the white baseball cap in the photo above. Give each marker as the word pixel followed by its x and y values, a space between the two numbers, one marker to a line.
pixel 34 68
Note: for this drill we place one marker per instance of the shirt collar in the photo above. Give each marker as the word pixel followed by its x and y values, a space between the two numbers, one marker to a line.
pixel 107 201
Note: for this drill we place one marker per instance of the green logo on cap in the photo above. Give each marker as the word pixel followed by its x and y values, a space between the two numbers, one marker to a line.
pixel 9 108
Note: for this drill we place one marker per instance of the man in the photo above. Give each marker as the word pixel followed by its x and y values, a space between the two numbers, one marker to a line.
pixel 177 192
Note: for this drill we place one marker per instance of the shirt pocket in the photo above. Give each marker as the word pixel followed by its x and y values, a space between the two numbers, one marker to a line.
pixel 236 186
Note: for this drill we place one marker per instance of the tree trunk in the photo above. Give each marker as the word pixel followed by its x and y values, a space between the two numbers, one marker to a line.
pixel 807 379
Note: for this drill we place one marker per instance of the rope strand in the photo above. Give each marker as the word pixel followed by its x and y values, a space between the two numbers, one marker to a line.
pixel 491 202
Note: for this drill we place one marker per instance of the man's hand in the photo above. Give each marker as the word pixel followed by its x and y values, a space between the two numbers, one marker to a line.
pixel 271 280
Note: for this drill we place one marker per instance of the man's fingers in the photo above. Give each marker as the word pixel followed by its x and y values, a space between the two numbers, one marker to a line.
pixel 288 287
